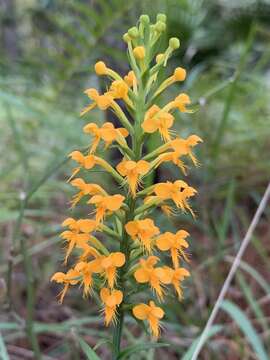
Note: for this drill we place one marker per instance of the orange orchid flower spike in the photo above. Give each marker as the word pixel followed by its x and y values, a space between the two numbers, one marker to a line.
pixel 142 231
pixel 111 299
pixel 158 120
pixel 107 266
pixel 179 192
pixel 134 260
pixel 151 313
pixel 105 204
pixel 107 132
pixel 133 172
pixel 175 243
pixel 85 189
pixel 72 277
pixel 147 273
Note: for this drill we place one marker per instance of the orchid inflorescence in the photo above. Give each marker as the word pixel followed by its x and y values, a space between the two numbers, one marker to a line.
pixel 118 277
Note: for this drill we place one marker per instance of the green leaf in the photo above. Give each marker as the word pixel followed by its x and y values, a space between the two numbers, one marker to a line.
pixel 90 353
pixel 101 342
pixel 3 350
pixel 137 348
pixel 246 326
pixel 255 305
pixel 255 274
pixel 9 326
pixel 212 332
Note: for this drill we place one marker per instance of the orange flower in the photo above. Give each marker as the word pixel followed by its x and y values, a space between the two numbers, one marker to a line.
pixel 179 192
pixel 110 134
pixel 133 171
pixel 175 243
pixel 157 119
pixel 151 313
pixel 107 266
pixel 86 270
pixel 111 299
pixel 103 102
pixel 119 89
pixel 142 231
pixel 151 199
pixel 95 131
pixel 72 277
pixel 181 101
pixel 175 277
pixel 105 204
pixel 130 79
pixel 147 273
pixel 172 156
pixel 78 235
pixel 184 146
pixel 90 161
pixel 87 162
pixel 85 189
pixel 106 132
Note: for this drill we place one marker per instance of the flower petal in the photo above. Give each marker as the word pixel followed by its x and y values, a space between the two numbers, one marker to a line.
pixel 141 311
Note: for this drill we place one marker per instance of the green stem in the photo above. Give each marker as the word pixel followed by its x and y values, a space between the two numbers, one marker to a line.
pixel 29 290
pixel 124 248
pixel 118 334
pixel 137 141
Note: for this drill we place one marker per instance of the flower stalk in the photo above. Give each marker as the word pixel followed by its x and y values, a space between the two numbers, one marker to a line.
pixel 138 264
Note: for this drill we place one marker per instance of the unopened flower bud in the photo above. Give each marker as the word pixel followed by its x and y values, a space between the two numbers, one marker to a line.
pixel 174 43
pixel 144 19
pixel 126 38
pixel 159 58
pixel 100 68
pixel 161 17
pixel 160 26
pixel 133 32
pixel 179 74
pixel 139 52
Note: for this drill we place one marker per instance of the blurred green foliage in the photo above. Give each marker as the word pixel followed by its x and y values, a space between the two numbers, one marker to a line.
pixel 48 51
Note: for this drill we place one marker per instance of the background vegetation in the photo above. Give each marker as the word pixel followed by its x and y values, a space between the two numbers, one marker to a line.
pixel 48 48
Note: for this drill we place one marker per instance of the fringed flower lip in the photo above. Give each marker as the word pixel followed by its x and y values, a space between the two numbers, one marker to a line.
pixel 152 314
